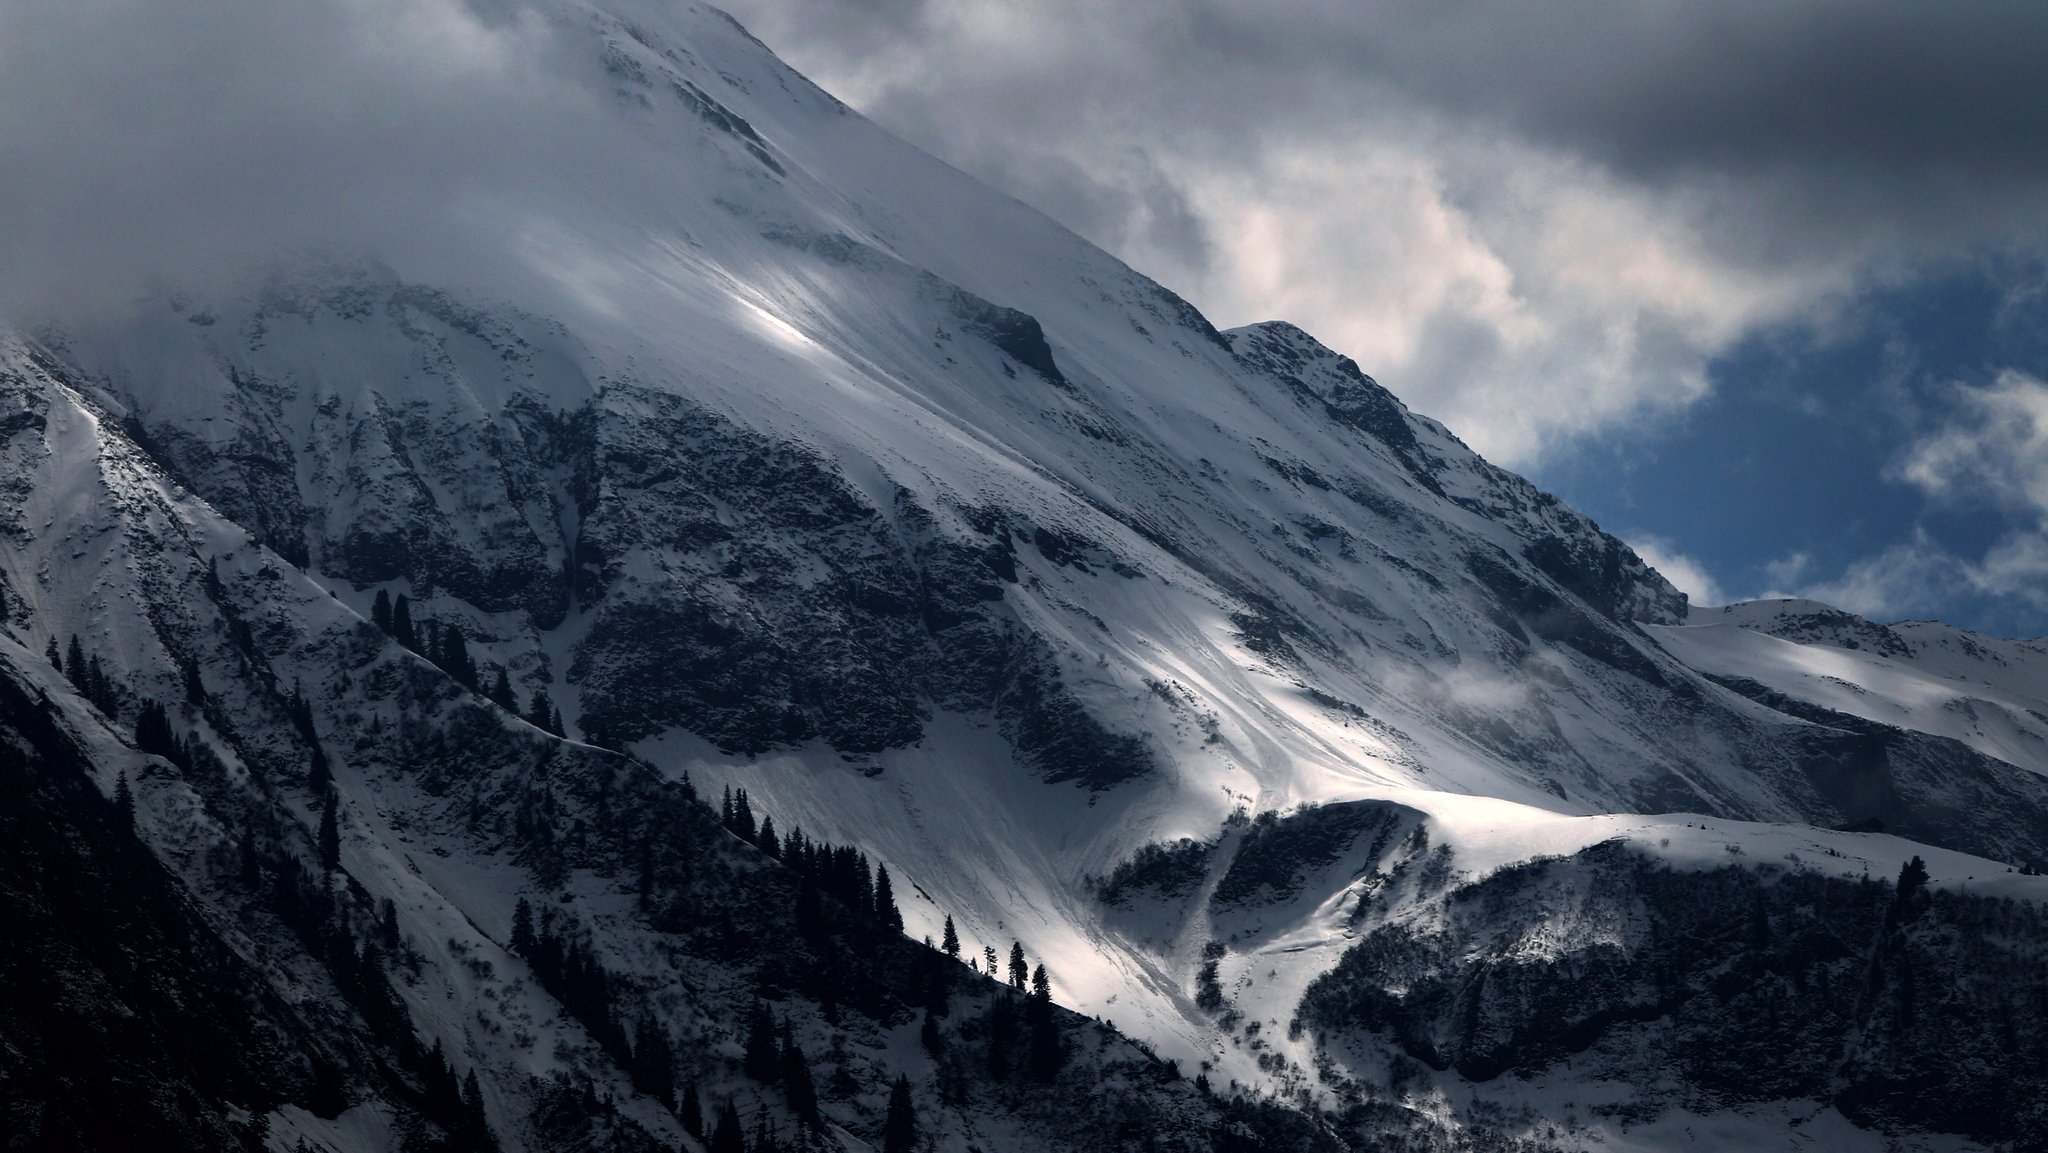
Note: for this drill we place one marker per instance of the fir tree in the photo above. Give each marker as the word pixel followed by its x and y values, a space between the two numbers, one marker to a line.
pixel 50 654
pixel 763 1060
pixel 743 817
pixel 988 959
pixel 522 928
pixel 654 1061
pixel 541 713
pixel 769 843
pixel 693 1112
pixel 330 832
pixel 318 776
pixel 1046 1052
pixel 928 1034
pixel 899 1129
pixel 195 688
pixel 1020 970
pixel 885 901
pixel 380 611
pixel 387 925
pixel 475 1127
pixel 124 800
pixel 401 622
pixel 501 692
pixel 951 940
pixel 74 665
pixel 727 1137
pixel 455 659
pixel 797 1084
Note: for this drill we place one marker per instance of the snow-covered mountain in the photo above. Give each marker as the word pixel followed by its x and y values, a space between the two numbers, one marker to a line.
pixel 1294 739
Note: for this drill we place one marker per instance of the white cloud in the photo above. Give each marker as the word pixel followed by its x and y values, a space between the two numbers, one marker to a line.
pixel 1689 576
pixel 1994 445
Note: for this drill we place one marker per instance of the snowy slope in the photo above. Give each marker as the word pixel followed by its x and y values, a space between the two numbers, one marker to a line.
pixel 800 462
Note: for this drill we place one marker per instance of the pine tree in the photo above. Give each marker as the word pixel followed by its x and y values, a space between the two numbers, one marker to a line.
pixel 1046 1053
pixel 501 692
pixel 797 1084
pixel 1020 970
pixel 899 1130
pixel 387 925
pixel 988 959
pixel 541 713
pixel 763 1060
pixel 74 665
pixel 124 800
pixel 727 1137
pixel 330 832
pixel 654 1061
pixel 951 940
pixel 769 843
pixel 885 901
pixel 522 928
pixel 928 1034
pixel 50 654
pixel 380 611
pixel 693 1112
pixel 195 688
pixel 476 1128
pixel 455 657
pixel 401 622
pixel 743 817
pixel 318 776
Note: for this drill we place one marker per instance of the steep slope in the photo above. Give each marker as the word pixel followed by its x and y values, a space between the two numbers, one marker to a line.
pixel 807 466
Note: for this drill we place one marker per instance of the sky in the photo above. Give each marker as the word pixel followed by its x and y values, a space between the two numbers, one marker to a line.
pixel 1760 285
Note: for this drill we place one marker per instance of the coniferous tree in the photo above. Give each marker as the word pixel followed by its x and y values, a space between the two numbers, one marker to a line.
pixel 124 800
pixel 885 901
pixel 767 839
pixel 541 713
pixel 928 1034
pixel 988 959
pixel 380 611
pixel 401 622
pixel 387 924
pixel 51 654
pixel 727 1137
pixel 693 1112
pixel 330 832
pixel 797 1084
pixel 501 692
pixel 1020 970
pixel 195 688
pixel 743 817
pixel 475 1127
pixel 455 659
pixel 1046 1052
pixel 522 928
pixel 654 1061
pixel 899 1129
pixel 318 775
pixel 763 1059
pixel 74 665
pixel 951 940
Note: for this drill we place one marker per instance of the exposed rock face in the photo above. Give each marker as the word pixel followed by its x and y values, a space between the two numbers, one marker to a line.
pixel 1903 1008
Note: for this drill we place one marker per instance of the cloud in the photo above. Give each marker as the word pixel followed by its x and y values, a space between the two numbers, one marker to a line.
pixel 186 140
pixel 1993 446
pixel 1534 222
pixel 1687 575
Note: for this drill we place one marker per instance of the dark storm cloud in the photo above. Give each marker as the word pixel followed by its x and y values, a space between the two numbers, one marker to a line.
pixel 1845 118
